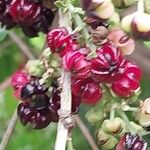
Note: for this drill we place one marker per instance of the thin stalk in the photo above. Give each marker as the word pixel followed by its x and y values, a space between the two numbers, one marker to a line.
pixel 66 99
pixel 127 122
pixel 112 113
pixel 7 135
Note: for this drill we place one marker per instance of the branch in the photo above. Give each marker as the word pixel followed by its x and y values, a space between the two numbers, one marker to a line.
pixel 65 109
pixel 86 133
pixel 23 47
pixel 9 131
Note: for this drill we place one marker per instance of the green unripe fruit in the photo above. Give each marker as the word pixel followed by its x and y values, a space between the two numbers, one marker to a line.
pixel 94 116
pixel 113 126
pixel 35 68
pixel 123 3
pixel 110 144
pixel 147 6
pixel 102 137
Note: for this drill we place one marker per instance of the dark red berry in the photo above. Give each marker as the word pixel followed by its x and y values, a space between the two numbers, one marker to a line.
pixel 77 63
pixel 36 1
pixel 105 66
pixel 38 119
pixel 89 91
pixel 54 103
pixel 60 41
pixel 31 17
pixel 131 142
pixel 32 88
pixel 5 18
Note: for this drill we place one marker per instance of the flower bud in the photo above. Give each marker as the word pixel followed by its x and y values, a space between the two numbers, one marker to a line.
pixel 35 68
pixel 114 19
pixel 110 144
pixel 123 3
pixel 122 41
pixel 113 126
pixel 147 6
pixel 102 137
pixel 138 24
pixel 126 22
pixel 94 116
pixel 141 26
pixel 144 115
pixel 105 10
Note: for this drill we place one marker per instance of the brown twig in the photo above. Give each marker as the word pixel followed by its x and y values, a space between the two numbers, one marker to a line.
pixel 9 131
pixel 23 47
pixel 86 133
pixel 5 84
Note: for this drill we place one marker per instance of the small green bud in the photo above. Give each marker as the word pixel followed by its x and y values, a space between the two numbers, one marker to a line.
pixel 144 114
pixel 147 6
pixel 113 126
pixel 105 10
pixel 94 116
pixel 126 22
pixel 35 68
pixel 47 53
pixel 110 144
pixel 114 20
pixel 102 137
pixel 55 63
pixel 144 119
pixel 123 3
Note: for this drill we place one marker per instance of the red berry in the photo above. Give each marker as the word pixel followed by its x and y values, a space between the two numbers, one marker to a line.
pixel 89 91
pixel 19 80
pixel 77 63
pixel 24 11
pixel 105 66
pixel 60 41
pixel 125 87
pixel 131 142
pixel 132 71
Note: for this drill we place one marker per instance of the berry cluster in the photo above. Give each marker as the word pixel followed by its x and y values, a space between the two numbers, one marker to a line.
pixel 31 17
pixel 107 67
pixel 37 108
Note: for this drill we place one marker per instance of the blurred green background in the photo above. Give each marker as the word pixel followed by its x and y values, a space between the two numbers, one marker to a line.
pixel 24 138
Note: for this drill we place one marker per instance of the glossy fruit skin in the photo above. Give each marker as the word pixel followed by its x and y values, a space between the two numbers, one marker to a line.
pixel 54 102
pixel 36 1
pixel 38 119
pixel 32 88
pixel 18 81
pixel 105 67
pixel 31 17
pixel 88 90
pixel 125 87
pixel 77 63
pixel 131 142
pixel 60 41
pixel 5 17
pixel 128 82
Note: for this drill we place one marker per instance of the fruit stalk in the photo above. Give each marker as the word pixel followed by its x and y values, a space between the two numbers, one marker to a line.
pixel 65 109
